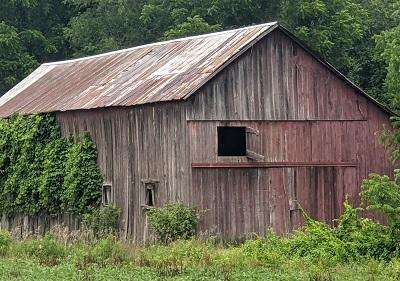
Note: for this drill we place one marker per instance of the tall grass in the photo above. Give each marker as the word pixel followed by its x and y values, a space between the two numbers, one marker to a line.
pixel 315 252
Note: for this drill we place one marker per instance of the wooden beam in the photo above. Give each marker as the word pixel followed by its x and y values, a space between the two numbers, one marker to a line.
pixel 272 164
pixel 254 156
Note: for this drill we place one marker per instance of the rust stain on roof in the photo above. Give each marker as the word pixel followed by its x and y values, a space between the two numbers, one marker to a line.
pixel 165 71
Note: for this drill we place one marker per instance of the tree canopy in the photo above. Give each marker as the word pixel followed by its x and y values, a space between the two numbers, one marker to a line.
pixel 359 37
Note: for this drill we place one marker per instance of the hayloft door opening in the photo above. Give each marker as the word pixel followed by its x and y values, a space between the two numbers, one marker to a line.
pixel 238 141
pixel 231 141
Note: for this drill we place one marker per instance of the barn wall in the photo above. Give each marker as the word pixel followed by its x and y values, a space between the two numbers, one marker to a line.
pixel 136 144
pixel 316 134
pixel 277 80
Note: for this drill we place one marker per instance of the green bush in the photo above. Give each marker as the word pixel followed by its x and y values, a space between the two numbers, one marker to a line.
pixel 102 221
pixel 108 251
pixel 5 242
pixel 271 250
pixel 173 221
pixel 363 237
pixel 318 242
pixel 382 194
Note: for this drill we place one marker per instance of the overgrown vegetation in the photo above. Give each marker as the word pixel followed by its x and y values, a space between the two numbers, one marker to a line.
pixel 173 221
pixel 102 221
pixel 358 249
pixel 44 173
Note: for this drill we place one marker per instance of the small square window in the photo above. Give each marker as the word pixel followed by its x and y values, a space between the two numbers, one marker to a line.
pixel 149 196
pixel 231 141
pixel 149 193
pixel 106 194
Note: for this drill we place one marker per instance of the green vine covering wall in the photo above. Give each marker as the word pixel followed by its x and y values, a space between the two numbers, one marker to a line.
pixel 42 172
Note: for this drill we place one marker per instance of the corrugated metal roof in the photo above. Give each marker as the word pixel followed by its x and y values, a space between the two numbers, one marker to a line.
pixel 165 71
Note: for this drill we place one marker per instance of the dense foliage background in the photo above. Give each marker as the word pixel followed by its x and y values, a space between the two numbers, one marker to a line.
pixel 359 37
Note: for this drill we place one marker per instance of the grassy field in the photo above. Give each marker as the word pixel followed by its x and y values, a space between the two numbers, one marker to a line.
pixel 24 269
pixel 357 249
pixel 109 259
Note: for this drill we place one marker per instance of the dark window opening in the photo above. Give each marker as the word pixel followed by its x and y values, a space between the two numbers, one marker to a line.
pixel 231 141
pixel 149 200
pixel 149 193
pixel 106 194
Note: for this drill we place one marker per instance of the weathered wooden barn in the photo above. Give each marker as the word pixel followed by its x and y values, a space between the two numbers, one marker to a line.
pixel 247 124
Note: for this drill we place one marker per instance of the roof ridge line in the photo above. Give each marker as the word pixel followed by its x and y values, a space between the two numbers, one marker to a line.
pixel 158 44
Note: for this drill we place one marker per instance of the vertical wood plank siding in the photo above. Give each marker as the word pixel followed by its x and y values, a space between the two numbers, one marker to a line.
pixel 277 80
pixel 147 142
pixel 303 113
pixel 243 201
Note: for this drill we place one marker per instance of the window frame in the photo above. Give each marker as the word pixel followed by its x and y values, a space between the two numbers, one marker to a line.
pixel 106 194
pixel 149 187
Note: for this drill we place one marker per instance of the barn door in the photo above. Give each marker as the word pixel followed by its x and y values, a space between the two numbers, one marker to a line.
pixel 234 201
pixel 320 192
pixel 242 201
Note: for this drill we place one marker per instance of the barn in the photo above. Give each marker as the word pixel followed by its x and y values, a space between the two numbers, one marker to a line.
pixel 248 124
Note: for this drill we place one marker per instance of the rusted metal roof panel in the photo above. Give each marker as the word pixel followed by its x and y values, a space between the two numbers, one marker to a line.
pixel 165 71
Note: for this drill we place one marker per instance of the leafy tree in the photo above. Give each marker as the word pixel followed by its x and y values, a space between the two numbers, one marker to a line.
pixel 234 13
pixel 192 26
pixel 159 18
pixel 176 18
pixel 389 44
pixel 31 31
pixel 370 69
pixel 104 25
pixel 330 27
pixel 15 61
pixel 41 22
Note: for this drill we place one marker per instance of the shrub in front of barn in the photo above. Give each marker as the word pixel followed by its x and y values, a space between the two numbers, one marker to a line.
pixel 102 221
pixel 173 221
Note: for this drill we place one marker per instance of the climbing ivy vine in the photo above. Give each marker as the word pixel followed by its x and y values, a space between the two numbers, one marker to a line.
pixel 42 172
